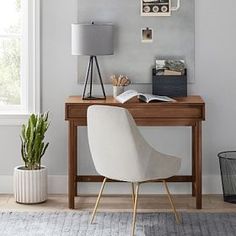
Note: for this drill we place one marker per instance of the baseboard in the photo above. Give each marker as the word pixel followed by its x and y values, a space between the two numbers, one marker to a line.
pixel 57 184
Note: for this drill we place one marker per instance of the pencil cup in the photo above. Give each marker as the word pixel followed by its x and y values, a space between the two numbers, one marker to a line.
pixel 117 90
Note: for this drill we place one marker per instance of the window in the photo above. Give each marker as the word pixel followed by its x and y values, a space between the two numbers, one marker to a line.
pixel 19 56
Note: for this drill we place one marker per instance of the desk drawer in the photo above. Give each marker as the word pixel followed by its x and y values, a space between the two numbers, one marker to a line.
pixel 145 111
pixel 167 112
pixel 74 111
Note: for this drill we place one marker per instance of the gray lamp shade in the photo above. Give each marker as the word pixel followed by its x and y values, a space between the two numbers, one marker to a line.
pixel 92 39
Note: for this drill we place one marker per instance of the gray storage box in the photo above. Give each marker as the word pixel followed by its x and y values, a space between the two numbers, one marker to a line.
pixel 169 85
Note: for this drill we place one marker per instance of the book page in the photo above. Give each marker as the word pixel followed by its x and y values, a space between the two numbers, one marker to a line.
pixel 162 98
pixel 145 97
pixel 127 95
pixel 150 97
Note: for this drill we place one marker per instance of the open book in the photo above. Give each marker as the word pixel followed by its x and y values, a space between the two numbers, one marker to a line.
pixel 127 95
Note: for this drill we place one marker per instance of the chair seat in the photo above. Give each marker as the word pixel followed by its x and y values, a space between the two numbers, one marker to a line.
pixel 162 166
pixel 157 166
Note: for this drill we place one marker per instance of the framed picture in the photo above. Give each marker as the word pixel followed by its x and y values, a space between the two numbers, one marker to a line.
pixel 155 7
pixel 147 35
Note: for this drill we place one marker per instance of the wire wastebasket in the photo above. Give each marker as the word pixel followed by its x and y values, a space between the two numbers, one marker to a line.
pixel 228 175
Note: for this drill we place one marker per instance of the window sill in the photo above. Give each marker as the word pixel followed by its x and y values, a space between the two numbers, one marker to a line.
pixel 13 119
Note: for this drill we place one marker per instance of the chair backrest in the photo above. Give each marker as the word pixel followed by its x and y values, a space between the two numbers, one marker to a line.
pixel 118 149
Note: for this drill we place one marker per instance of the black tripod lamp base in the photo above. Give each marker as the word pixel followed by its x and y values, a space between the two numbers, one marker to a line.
pixel 89 76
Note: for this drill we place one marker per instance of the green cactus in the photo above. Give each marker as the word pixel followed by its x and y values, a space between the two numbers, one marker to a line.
pixel 32 136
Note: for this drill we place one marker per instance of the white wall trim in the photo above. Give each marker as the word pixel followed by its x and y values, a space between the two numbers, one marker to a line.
pixel 36 56
pixel 57 184
pixel 13 120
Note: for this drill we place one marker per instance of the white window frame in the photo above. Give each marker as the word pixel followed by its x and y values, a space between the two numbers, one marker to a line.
pixel 30 91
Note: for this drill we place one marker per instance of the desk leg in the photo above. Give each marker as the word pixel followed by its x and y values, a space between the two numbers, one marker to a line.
pixel 193 162
pixel 72 164
pixel 197 134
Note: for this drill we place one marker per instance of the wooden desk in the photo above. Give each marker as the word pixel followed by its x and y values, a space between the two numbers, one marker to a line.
pixel 188 111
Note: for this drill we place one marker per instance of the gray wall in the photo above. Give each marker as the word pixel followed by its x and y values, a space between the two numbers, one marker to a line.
pixel 215 82
pixel 173 38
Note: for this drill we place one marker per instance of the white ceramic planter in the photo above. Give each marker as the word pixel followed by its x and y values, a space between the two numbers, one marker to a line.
pixel 30 186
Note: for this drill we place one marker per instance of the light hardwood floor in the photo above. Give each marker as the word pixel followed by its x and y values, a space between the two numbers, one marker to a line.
pixel 147 203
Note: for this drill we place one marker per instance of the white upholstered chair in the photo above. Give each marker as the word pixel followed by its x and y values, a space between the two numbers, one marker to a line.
pixel 120 152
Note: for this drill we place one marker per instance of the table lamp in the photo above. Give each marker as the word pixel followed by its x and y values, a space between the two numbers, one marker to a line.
pixel 92 40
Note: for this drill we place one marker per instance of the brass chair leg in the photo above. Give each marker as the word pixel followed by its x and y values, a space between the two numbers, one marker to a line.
pixel 177 218
pixel 135 209
pixel 98 200
pixel 133 195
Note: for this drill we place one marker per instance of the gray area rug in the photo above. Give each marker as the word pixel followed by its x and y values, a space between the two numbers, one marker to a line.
pixel 116 224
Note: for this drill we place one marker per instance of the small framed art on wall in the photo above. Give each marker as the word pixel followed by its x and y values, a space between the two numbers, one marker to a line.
pixel 158 7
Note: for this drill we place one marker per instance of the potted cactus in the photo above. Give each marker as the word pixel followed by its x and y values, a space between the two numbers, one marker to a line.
pixel 30 179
